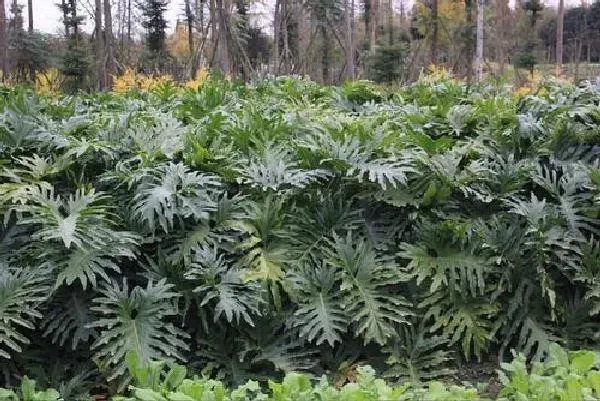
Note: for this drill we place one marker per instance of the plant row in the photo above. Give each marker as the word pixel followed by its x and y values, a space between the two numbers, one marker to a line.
pixel 566 376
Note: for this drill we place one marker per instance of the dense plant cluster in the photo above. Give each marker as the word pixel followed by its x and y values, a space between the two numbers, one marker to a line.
pixel 565 376
pixel 253 230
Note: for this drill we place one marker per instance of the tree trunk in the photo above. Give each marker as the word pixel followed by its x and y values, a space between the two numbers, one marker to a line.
pixel 325 59
pixel 99 45
pixel 30 29
pixel 372 25
pixel 285 35
pixel 129 23
pixel 109 43
pixel 276 36
pixel 588 36
pixel 501 12
pixel 479 53
pixel 75 25
pixel 303 37
pixel 213 33
pixel 434 31
pixel 120 23
pixel 391 23
pixel 223 48
pixel 559 36
pixel 190 27
pixel 469 41
pixel 350 74
pixel 577 58
pixel 65 9
pixel 30 15
pixel 203 29
pixel 3 44
pixel 200 17
pixel 367 14
pixel 353 36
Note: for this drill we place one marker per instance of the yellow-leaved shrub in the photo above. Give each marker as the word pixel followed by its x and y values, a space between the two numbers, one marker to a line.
pixel 201 77
pixel 130 80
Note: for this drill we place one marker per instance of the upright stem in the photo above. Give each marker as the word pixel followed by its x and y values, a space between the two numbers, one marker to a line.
pixel 223 46
pixel 109 43
pixel 304 36
pixel 190 27
pixel 276 36
pixel 65 10
pixel 373 25
pixel 100 72
pixel 75 25
pixel 3 44
pixel 350 74
pixel 479 53
pixel 559 36
pixel 203 32
pixel 434 31
pixel 325 59
pixel 30 14
pixel 469 41
pixel 285 35
pixel 500 28
pixel 391 22
pixel 129 23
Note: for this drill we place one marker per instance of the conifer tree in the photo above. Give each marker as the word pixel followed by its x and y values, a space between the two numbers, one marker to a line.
pixel 153 20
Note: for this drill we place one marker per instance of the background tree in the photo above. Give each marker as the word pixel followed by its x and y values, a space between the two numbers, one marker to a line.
pixel 326 16
pixel 479 48
pixel 30 15
pixel 109 42
pixel 349 40
pixel 526 53
pixel 99 46
pixel 3 42
pixel 223 38
pixel 318 38
pixel 278 22
pixel 469 39
pixel 75 65
pixel 373 7
pixel 502 14
pixel 189 16
pixel 156 57
pixel 434 31
pixel 153 20
pixel 560 17
pixel 28 51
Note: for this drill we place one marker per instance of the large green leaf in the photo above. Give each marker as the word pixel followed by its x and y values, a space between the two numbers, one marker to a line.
pixel 136 320
pixel 22 291
pixel 367 289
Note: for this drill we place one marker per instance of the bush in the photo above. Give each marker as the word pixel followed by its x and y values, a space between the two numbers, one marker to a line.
pixel 389 63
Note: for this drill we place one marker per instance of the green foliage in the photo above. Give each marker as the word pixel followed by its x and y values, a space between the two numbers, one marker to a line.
pixel 136 320
pixel 416 355
pixel 22 291
pixel 389 64
pixel 153 13
pixel 564 376
pixel 28 393
pixel 254 231
pixel 76 66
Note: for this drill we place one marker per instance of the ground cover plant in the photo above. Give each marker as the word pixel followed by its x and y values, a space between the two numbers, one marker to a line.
pixel 249 231
pixel 565 376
